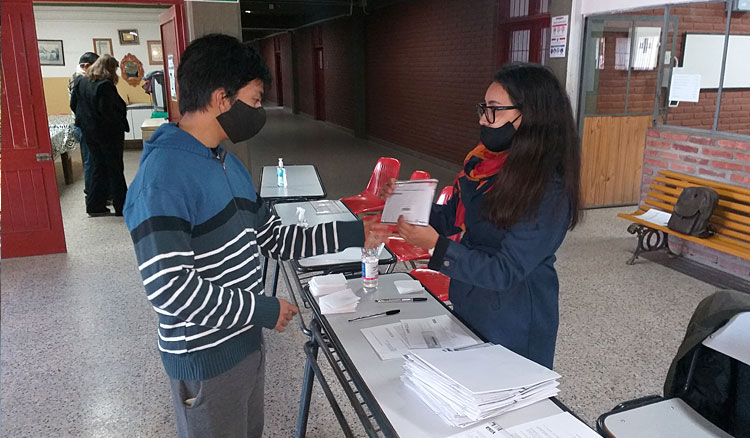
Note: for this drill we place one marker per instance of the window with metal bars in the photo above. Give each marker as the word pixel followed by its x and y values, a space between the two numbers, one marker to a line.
pixel 524 33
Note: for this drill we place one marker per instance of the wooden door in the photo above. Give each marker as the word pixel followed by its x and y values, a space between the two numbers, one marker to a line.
pixel 31 216
pixel 612 158
pixel 320 105
pixel 173 42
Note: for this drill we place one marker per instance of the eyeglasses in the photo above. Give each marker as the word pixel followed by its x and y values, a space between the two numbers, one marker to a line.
pixel 489 111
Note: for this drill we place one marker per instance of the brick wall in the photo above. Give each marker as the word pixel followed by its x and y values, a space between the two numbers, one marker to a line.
pixel 701 18
pixel 713 156
pixel 305 76
pixel 337 63
pixel 428 64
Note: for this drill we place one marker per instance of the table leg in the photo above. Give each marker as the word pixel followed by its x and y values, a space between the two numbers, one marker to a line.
pixel 307 386
pixel 275 282
pixel 67 168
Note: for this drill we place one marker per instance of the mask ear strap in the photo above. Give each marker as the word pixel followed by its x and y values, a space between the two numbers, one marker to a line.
pixel 517 117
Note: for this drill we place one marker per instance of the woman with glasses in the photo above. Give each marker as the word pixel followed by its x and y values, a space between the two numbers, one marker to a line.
pixel 512 205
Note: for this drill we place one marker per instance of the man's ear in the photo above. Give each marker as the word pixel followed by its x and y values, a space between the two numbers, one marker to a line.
pixel 219 100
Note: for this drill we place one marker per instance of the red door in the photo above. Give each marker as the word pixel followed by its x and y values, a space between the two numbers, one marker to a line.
pixel 320 103
pixel 173 43
pixel 31 217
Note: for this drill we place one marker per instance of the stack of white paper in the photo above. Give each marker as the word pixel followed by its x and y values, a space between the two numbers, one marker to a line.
pixel 326 284
pixel 467 386
pixel 408 286
pixel 343 301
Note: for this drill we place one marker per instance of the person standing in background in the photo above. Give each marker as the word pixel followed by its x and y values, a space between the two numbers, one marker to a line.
pixel 84 62
pixel 102 116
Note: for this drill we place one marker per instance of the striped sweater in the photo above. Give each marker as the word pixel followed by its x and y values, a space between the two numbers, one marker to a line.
pixel 199 228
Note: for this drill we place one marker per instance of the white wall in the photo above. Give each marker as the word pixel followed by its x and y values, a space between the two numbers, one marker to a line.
pixel 77 26
pixel 590 7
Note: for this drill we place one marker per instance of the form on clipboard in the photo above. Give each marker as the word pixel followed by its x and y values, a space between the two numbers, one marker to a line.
pixel 412 199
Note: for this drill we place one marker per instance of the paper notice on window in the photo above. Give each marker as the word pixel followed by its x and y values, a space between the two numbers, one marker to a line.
pixel 656 217
pixel 411 199
pixel 685 87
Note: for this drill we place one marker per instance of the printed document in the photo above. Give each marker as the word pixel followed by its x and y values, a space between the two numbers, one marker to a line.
pixel 656 217
pixel 436 332
pixel 411 199
pixel 562 425
pixel 326 206
pixel 389 340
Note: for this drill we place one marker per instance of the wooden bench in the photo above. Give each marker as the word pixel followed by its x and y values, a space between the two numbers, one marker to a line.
pixel 731 216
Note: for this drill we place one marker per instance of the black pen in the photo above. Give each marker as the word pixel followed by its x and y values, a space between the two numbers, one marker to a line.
pixel 375 315
pixel 400 300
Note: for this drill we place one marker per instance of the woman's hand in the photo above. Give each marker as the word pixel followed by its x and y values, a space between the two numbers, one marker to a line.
pixel 387 189
pixel 375 233
pixel 422 237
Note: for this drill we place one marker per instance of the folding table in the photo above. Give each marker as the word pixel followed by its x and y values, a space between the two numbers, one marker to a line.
pixel 383 404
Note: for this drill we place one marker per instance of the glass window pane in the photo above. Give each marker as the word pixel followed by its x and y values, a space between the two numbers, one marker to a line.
pixel 734 113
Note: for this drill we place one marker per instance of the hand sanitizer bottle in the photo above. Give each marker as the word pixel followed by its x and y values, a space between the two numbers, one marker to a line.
pixel 281 174
pixel 370 269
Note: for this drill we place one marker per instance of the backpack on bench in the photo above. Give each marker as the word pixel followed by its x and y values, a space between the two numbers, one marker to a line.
pixel 693 210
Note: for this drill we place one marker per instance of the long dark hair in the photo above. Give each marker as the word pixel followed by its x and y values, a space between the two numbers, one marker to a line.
pixel 546 146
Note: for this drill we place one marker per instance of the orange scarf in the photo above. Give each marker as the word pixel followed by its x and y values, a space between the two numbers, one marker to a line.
pixel 480 169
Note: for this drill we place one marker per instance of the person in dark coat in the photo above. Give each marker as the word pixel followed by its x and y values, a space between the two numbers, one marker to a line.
pixel 102 116
pixel 512 205
pixel 84 62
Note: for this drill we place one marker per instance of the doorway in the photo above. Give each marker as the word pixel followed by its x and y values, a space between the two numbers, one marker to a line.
pixel 320 84
pixel 619 84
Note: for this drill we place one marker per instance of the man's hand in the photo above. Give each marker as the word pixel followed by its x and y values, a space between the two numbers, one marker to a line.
pixel 286 312
pixel 419 236
pixel 387 189
pixel 375 233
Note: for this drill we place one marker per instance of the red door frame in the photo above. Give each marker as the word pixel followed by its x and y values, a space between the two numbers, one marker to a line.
pixel 534 22
pixel 32 216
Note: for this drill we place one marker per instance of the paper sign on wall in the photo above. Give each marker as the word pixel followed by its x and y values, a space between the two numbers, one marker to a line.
pixel 685 87
pixel 558 36
pixel 172 79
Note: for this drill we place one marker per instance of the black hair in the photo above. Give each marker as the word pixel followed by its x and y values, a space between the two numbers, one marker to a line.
pixel 88 58
pixel 545 146
pixel 213 62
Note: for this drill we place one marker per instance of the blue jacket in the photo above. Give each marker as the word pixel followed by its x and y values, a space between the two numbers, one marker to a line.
pixel 503 282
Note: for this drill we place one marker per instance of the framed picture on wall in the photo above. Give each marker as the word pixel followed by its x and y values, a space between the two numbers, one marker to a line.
pixel 128 36
pixel 102 46
pixel 155 55
pixel 51 52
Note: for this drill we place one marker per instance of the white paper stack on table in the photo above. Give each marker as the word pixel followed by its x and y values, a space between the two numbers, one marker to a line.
pixel 408 286
pixel 333 295
pixel 466 386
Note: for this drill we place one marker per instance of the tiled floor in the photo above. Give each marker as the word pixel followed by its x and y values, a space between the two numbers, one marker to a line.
pixel 78 337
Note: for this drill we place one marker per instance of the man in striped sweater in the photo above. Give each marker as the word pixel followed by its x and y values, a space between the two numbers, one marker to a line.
pixel 199 229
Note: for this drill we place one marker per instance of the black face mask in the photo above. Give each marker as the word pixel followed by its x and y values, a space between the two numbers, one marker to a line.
pixel 242 121
pixel 498 139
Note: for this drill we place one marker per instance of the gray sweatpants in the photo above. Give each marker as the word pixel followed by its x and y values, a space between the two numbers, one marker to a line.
pixel 229 405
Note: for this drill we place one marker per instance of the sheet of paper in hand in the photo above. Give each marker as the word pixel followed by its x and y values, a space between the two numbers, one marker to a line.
pixel 412 199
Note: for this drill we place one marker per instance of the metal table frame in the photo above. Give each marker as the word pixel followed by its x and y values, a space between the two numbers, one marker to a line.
pixel 369 413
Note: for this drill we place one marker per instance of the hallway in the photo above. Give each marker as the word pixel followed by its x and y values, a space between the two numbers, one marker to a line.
pixel 78 351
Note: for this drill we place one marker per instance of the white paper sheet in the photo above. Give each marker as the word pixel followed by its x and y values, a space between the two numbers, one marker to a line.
pixel 436 332
pixel 326 206
pixel 562 425
pixel 656 217
pixel 388 341
pixel 338 302
pixel 487 430
pixel 408 286
pixel 732 339
pixel 412 199
pixel 685 87
pixel 326 284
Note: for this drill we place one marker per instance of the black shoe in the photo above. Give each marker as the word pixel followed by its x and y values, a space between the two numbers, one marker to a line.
pixel 99 213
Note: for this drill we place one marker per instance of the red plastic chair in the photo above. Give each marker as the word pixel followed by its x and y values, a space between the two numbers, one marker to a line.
pixel 445 195
pixel 434 281
pixel 368 201
pixel 420 174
